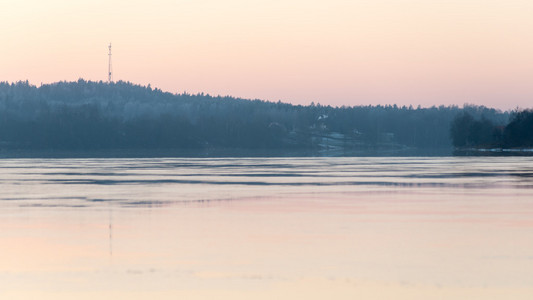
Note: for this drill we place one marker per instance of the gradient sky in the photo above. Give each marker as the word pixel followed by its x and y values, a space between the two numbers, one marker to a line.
pixel 334 52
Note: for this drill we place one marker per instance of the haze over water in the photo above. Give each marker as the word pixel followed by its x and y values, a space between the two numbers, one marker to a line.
pixel 265 228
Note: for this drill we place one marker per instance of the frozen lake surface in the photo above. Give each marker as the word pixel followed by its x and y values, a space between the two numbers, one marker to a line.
pixel 267 228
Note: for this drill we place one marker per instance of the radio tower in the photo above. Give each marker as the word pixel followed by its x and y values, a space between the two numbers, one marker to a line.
pixel 110 70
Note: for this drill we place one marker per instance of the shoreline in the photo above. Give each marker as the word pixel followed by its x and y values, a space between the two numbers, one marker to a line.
pixel 222 153
pixel 493 152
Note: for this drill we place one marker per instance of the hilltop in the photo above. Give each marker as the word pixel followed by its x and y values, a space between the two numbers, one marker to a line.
pixel 88 115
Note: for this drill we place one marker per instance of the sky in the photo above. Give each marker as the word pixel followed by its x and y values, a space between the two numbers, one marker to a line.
pixel 335 52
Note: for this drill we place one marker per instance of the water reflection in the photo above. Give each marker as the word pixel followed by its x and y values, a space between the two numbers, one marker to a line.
pixel 372 228
pixel 245 177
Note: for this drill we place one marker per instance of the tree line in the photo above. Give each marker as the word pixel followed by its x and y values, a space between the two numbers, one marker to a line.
pixel 469 131
pixel 120 115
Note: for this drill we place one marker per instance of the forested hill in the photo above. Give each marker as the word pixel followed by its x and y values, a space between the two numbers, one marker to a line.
pixel 87 115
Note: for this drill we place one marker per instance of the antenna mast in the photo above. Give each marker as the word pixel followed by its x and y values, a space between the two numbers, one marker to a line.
pixel 110 70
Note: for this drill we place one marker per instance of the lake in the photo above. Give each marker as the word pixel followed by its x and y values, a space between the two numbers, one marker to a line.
pixel 267 228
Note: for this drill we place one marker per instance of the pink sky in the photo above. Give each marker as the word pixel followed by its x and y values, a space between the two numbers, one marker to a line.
pixel 334 52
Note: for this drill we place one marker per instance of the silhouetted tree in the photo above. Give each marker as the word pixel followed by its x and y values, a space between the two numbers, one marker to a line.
pixel 519 132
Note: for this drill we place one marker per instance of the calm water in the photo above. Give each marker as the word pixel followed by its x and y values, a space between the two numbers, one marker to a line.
pixel 283 228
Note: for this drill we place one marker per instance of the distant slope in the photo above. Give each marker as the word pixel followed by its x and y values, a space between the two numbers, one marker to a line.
pixel 87 115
